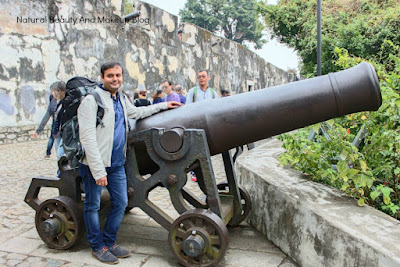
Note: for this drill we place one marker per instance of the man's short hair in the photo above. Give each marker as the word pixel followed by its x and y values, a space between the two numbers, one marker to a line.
pixel 224 92
pixel 168 81
pixel 178 88
pixel 109 65
pixel 202 71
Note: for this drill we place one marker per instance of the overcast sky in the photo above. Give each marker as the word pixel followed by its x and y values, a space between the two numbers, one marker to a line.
pixel 273 52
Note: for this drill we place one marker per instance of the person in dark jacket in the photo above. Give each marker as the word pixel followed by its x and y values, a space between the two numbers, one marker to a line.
pixel 179 91
pixel 50 113
pixel 158 97
pixel 142 101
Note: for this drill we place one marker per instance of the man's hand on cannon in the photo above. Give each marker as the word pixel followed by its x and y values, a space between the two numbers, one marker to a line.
pixel 174 104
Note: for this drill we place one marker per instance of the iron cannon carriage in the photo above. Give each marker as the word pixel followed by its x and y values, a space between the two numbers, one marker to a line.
pixel 165 147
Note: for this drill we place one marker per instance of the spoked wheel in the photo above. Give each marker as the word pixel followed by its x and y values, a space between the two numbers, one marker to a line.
pixel 59 222
pixel 198 238
pixel 245 200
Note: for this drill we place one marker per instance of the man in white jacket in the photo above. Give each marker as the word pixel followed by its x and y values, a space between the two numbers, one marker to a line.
pixel 103 165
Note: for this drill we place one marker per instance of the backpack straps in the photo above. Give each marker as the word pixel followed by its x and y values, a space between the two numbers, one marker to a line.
pixel 213 94
pixel 100 108
pixel 194 94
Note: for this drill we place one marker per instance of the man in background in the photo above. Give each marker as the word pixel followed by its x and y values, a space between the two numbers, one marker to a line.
pixel 225 93
pixel 141 101
pixel 170 95
pixel 201 91
pixel 179 91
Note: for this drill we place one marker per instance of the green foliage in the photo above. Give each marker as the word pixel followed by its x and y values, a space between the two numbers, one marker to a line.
pixel 237 20
pixel 362 27
pixel 128 7
pixel 371 172
pixel 352 31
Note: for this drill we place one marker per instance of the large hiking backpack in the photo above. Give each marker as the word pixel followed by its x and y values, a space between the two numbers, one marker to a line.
pixel 76 89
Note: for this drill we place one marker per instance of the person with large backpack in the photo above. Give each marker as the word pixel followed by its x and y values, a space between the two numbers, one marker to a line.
pixel 202 91
pixel 104 146
pixel 77 88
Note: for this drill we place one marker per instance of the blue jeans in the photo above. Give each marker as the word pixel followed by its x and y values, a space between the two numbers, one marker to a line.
pixel 49 145
pixel 117 188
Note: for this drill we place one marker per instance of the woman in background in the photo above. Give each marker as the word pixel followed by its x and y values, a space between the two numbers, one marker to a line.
pixel 158 97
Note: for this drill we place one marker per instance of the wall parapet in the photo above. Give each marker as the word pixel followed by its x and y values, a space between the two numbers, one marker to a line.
pixel 49 40
pixel 312 223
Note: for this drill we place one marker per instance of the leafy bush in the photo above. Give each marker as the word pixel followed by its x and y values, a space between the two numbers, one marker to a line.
pixel 371 172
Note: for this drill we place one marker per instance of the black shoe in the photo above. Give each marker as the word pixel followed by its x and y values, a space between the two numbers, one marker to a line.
pixel 105 256
pixel 119 252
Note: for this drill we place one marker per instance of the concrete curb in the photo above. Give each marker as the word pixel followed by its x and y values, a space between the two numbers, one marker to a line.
pixel 312 223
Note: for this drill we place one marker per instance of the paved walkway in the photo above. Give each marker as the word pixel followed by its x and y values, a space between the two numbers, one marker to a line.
pixel 20 245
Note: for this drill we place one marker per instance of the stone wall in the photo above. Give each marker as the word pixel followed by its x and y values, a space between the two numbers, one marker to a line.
pixel 18 134
pixel 43 41
pixel 314 224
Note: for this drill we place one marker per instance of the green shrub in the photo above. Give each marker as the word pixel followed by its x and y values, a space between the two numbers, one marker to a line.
pixel 371 172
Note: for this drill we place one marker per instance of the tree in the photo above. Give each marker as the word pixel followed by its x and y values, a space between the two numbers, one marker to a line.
pixel 362 27
pixel 353 31
pixel 236 20
pixel 128 7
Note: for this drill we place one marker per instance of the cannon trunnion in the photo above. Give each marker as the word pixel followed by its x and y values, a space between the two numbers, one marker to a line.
pixel 165 147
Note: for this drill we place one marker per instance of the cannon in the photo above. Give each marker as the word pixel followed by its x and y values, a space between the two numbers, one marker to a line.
pixel 165 147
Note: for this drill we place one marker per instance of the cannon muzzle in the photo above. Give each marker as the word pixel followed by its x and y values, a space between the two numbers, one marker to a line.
pixel 132 16
pixel 244 118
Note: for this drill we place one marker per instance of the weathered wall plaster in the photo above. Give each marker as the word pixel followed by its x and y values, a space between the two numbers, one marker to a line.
pixel 43 41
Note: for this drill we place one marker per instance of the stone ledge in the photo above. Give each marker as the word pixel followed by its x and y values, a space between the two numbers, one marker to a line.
pixel 16 134
pixel 312 223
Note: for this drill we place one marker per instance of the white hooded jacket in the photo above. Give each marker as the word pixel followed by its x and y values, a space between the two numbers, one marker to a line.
pixel 97 141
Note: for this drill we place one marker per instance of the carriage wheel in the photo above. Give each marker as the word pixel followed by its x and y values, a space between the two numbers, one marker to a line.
pixel 245 200
pixel 198 238
pixel 59 222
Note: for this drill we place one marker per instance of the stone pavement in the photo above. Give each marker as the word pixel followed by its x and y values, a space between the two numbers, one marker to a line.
pixel 20 245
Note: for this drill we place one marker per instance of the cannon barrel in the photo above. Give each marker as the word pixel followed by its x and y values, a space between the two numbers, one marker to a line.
pixel 244 118
pixel 132 16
